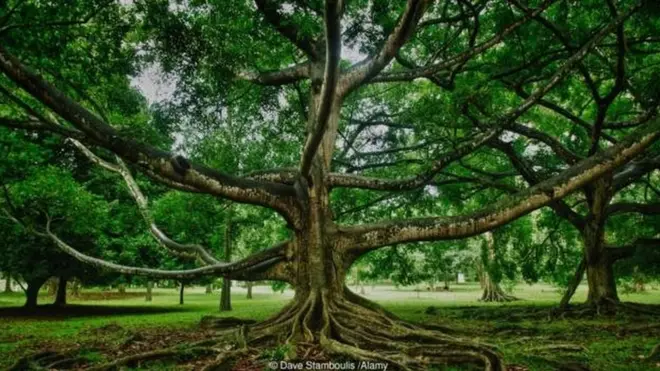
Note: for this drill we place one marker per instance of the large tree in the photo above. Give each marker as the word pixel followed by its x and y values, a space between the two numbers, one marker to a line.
pixel 217 47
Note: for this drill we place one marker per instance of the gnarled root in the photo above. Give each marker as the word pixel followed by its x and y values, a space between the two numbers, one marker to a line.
pixel 350 327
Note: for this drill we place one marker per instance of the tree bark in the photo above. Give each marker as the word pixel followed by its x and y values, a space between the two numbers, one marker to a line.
pixel 149 296
pixel 249 290
pixel 60 298
pixel 492 290
pixel 121 288
pixel 225 294
pixel 8 283
pixel 181 287
pixel 32 292
pixel 209 289
pixel 599 265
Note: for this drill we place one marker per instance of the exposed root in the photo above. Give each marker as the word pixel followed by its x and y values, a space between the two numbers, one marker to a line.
pixel 333 327
pixel 496 295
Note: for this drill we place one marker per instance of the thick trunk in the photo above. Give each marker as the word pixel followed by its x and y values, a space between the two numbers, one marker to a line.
pixel 60 298
pixel 225 295
pixel 181 287
pixel 121 288
pixel 599 265
pixel 32 292
pixel 8 283
pixel 149 296
pixel 602 286
pixel 249 290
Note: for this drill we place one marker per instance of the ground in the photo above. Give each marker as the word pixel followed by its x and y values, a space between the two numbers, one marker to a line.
pixel 106 327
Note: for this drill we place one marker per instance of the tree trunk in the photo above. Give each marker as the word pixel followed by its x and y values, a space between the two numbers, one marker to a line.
pixel 225 294
pixel 599 265
pixel 75 288
pixel 32 292
pixel 249 290
pixel 149 295
pixel 121 288
pixel 209 289
pixel 181 286
pixel 60 298
pixel 492 290
pixel 324 311
pixel 8 283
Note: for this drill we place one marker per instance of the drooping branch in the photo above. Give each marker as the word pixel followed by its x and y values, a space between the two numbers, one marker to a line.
pixel 271 11
pixel 188 250
pixel 284 76
pixel 367 69
pixel 176 168
pixel 257 262
pixel 363 238
pixel 329 89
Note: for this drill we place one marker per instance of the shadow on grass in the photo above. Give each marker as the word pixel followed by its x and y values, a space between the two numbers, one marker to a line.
pixel 73 311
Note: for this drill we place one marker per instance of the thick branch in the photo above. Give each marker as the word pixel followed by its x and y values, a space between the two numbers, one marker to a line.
pixel 271 11
pixel 364 238
pixel 284 76
pixel 615 253
pixel 404 29
pixel 633 207
pixel 176 168
pixel 329 88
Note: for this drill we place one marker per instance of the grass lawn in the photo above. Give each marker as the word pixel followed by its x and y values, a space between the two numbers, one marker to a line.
pixel 99 329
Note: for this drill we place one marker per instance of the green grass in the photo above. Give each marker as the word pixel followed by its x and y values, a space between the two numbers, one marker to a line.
pixel 520 330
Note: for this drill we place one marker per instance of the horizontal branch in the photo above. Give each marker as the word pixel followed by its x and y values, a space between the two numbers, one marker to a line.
pixel 633 207
pixel 615 253
pixel 284 76
pixel 363 238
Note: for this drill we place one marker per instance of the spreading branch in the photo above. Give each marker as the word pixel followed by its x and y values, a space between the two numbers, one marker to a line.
pixel 633 207
pixel 176 168
pixel 368 68
pixel 271 11
pixel 363 238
